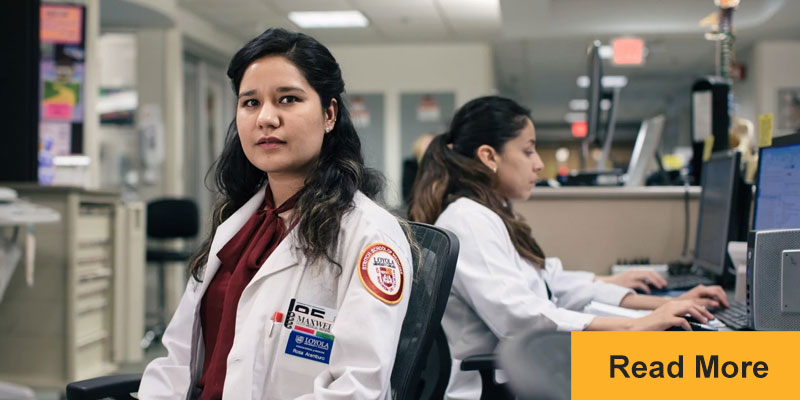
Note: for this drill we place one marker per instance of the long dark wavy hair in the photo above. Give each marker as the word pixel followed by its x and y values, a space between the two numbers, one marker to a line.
pixel 339 171
pixel 450 168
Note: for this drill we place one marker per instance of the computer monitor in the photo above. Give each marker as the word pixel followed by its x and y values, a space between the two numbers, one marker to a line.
pixel 644 150
pixel 778 185
pixel 724 211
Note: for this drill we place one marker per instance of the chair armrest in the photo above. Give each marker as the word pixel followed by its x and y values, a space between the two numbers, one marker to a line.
pixel 104 386
pixel 486 364
pixel 479 362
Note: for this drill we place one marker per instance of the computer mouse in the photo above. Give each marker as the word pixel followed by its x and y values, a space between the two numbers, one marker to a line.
pixel 695 324
pixel 675 328
pixel 654 290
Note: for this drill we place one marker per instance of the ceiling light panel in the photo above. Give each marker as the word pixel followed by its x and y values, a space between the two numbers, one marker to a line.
pixel 328 19
pixel 313 5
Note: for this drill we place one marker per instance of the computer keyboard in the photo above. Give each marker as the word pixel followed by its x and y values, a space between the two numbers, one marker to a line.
pixel 678 282
pixel 735 316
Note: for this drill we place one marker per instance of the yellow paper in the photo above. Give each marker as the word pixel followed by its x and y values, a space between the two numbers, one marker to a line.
pixel 672 161
pixel 765 130
pixel 708 148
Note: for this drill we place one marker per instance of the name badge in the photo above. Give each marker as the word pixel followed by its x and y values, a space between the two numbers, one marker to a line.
pixel 309 344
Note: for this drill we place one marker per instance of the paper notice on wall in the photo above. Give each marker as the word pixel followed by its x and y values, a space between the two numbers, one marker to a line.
pixel 62 91
pixel 428 109
pixel 61 24
pixel 55 137
pixel 359 112
pixel 701 111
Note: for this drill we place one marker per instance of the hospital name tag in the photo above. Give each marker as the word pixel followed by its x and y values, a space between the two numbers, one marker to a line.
pixel 310 347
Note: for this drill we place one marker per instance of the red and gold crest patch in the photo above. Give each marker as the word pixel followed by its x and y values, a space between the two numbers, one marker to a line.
pixel 381 273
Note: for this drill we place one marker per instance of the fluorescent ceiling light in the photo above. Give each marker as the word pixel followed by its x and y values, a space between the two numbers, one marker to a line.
pixel 579 104
pixel 606 52
pixel 574 117
pixel 329 19
pixel 609 81
pixel 583 104
pixel 615 81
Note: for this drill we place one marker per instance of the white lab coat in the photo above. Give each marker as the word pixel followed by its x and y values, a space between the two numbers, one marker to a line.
pixel 366 329
pixel 496 293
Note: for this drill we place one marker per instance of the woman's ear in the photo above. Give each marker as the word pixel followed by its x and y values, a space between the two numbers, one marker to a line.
pixel 488 156
pixel 330 115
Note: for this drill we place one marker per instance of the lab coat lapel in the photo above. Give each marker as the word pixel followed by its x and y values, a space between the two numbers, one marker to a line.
pixel 225 232
pixel 284 256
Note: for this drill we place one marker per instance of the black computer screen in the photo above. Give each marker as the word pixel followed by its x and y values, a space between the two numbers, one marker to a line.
pixel 715 211
pixel 778 195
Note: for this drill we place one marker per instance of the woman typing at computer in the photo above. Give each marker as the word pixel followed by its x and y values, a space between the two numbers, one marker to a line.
pixel 503 283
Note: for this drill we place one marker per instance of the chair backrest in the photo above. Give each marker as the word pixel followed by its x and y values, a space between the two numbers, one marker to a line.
pixel 434 267
pixel 172 219
pixel 538 365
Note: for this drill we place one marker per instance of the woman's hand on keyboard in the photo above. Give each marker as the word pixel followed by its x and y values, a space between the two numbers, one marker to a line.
pixel 640 279
pixel 671 314
pixel 706 296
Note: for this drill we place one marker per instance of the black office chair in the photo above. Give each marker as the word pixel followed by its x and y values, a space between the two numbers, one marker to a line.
pixel 436 375
pixel 167 219
pixel 433 277
pixel 538 365
pixel 421 327
pixel 486 364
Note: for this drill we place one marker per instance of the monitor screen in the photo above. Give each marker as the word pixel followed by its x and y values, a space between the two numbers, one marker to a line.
pixel 644 151
pixel 778 195
pixel 716 201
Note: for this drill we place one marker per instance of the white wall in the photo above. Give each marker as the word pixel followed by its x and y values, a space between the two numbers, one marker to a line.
pixel 744 92
pixel 777 65
pixel 464 69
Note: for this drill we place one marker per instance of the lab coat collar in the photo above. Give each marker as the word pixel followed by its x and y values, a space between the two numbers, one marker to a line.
pixel 225 232
pixel 284 256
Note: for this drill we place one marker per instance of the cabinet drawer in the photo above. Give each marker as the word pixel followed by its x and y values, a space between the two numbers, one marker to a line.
pixel 94 227
pixel 93 354
pixel 90 323
pixel 93 252
pixel 92 310
pixel 90 287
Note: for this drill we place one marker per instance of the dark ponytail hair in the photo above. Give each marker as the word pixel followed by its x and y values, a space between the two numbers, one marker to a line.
pixel 450 168
pixel 339 171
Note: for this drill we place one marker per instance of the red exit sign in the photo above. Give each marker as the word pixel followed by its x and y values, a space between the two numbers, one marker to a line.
pixel 628 51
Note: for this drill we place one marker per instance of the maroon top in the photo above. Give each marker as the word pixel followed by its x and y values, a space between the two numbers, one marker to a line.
pixel 241 258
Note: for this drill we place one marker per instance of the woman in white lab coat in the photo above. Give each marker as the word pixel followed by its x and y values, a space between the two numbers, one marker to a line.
pixel 503 283
pixel 302 286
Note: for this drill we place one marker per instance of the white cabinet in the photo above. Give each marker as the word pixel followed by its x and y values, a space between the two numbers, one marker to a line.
pixel 72 323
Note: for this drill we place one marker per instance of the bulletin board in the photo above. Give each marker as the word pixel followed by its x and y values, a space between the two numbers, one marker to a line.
pixel 62 77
